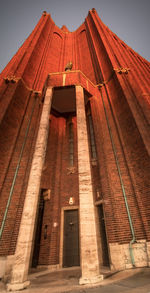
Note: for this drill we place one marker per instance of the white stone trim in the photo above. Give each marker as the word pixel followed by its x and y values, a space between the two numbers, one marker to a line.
pixel 19 277
pixel 120 255
pixel 2 266
pixel 88 234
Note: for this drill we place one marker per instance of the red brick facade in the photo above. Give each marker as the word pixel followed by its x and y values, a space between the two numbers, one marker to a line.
pixel 116 86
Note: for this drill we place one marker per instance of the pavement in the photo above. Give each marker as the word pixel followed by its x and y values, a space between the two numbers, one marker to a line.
pixel 67 280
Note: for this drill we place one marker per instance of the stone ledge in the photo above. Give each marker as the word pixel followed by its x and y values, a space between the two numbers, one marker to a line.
pixel 93 280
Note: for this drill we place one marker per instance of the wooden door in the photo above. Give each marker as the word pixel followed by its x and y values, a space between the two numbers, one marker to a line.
pixel 105 255
pixel 71 256
pixel 36 250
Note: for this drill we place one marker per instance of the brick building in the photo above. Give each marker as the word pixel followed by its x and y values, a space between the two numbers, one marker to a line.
pixel 74 143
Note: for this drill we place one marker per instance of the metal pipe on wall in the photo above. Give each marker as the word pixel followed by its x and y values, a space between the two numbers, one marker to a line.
pixel 133 240
pixel 16 171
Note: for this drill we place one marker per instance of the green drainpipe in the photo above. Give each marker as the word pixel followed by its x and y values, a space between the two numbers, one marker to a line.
pixel 16 172
pixel 122 185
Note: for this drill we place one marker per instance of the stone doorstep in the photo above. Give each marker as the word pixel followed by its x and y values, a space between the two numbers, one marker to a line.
pixel 67 279
pixel 41 271
pixel 66 272
pixel 74 273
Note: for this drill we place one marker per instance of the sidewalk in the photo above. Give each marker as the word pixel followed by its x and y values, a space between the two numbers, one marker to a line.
pixel 66 280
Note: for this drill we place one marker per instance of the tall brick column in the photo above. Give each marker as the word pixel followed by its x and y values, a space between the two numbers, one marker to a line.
pixel 25 238
pixel 88 238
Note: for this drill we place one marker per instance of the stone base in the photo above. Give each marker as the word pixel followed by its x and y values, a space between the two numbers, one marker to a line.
pixel 121 259
pixel 17 286
pixel 54 267
pixel 2 266
pixel 6 263
pixel 93 280
pixel 148 252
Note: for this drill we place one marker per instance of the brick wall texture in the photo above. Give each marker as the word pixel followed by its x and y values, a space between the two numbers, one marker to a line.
pixel 120 114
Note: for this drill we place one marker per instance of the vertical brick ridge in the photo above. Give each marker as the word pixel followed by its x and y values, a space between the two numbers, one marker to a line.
pixel 110 49
pixel 136 213
pixel 33 63
pixel 61 61
pixel 17 129
pixel 10 173
pixel 65 55
pixel 78 53
pixel 28 57
pixel 109 201
pixel 116 194
pixel 136 107
pixel 126 60
pixel 127 146
pixel 95 63
pixel 7 98
pixel 94 53
pixel 136 77
pixel 133 91
pixel 68 52
pixel 75 60
pixel 105 59
pixel 40 72
pixel 84 52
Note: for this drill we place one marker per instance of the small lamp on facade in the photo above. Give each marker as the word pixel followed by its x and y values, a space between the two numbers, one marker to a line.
pixel 71 200
pixel 47 194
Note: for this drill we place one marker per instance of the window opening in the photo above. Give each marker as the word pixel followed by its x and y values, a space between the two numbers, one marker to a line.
pixel 71 145
pixel 92 138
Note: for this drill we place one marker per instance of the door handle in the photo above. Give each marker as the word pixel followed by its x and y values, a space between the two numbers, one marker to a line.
pixel 71 224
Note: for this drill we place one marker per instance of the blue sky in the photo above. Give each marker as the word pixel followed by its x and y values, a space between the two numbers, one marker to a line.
pixel 129 19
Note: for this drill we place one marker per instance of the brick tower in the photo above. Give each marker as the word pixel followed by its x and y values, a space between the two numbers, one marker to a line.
pixel 74 143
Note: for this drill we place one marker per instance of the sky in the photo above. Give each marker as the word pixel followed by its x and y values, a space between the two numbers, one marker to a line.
pixel 129 19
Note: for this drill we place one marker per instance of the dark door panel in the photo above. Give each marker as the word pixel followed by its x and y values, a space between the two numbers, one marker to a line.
pixel 36 250
pixel 105 255
pixel 71 255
